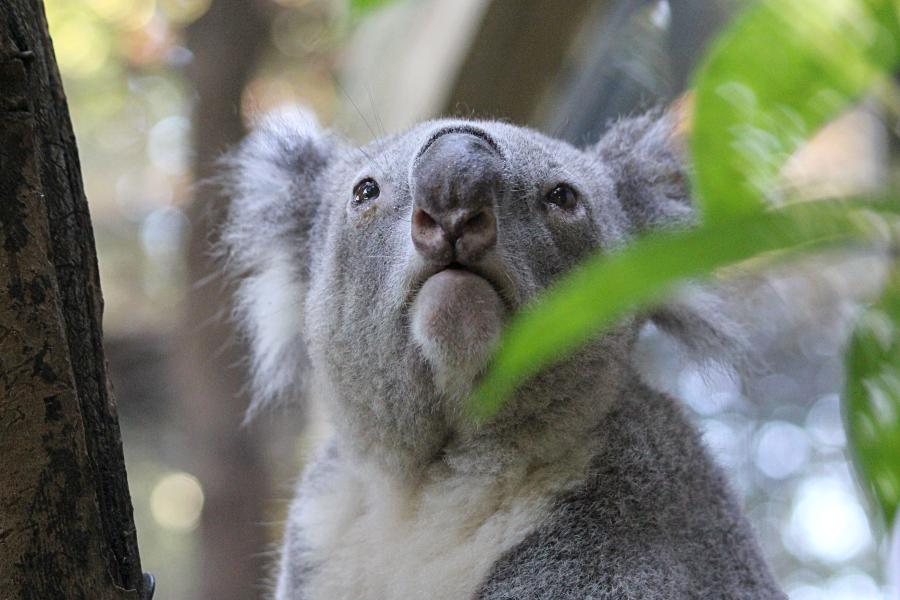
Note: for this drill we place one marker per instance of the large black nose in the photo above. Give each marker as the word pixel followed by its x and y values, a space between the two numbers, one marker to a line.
pixel 456 182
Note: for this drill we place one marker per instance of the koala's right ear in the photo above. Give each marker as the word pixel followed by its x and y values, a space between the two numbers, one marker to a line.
pixel 272 181
pixel 646 159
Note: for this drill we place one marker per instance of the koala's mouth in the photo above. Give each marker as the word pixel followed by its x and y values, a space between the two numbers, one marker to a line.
pixel 497 280
pixel 455 266
pixel 456 318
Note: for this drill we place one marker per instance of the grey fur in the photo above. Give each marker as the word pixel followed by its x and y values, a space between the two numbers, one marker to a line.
pixel 650 517
pixel 652 521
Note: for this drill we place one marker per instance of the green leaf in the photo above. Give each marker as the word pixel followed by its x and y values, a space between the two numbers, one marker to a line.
pixel 606 288
pixel 359 7
pixel 777 74
pixel 872 408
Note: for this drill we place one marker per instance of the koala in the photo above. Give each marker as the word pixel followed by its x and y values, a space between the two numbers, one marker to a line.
pixel 376 282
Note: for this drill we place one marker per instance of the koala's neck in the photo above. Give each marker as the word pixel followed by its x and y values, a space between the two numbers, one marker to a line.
pixel 563 432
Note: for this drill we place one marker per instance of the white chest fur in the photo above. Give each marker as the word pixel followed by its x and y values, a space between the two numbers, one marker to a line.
pixel 372 538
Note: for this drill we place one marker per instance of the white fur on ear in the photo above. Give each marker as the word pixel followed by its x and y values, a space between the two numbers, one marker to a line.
pixel 270 179
pixel 269 306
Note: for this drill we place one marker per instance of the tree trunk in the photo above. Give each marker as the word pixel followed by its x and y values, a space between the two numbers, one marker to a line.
pixel 228 459
pixel 516 55
pixel 693 24
pixel 66 528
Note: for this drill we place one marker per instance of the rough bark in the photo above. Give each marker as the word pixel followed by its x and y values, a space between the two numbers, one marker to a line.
pixel 66 527
pixel 228 459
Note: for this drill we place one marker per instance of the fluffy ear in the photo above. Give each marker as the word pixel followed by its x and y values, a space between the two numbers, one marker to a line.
pixel 272 182
pixel 702 320
pixel 645 157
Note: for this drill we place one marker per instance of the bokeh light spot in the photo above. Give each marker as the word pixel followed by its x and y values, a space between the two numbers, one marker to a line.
pixel 827 521
pixel 709 391
pixel 184 12
pixel 176 502
pixel 824 423
pixel 168 143
pixel 130 14
pixel 782 449
pixel 82 46
pixel 163 233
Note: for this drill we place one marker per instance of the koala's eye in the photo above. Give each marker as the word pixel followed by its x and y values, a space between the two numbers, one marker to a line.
pixel 562 196
pixel 365 191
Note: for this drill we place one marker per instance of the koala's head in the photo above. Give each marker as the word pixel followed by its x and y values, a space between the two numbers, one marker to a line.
pixel 382 276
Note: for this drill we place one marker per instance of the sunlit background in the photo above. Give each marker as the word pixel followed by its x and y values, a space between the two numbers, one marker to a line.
pixel 141 78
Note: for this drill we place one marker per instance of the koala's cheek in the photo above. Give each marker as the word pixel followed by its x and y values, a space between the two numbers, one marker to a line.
pixel 456 322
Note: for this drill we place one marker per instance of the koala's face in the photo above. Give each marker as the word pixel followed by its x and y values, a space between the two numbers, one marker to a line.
pixel 433 238
pixel 394 267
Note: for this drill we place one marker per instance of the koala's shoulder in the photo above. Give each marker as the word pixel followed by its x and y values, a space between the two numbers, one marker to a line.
pixel 632 527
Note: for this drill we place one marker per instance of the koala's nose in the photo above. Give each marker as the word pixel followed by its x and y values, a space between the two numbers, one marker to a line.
pixel 456 182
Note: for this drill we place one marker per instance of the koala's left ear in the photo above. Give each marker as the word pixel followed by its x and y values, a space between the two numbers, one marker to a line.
pixel 274 188
pixel 646 158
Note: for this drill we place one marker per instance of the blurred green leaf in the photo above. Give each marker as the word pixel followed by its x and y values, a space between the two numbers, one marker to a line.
pixel 778 73
pixel 872 407
pixel 606 288
pixel 363 6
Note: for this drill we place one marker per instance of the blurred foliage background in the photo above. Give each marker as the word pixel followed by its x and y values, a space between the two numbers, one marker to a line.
pixel 159 88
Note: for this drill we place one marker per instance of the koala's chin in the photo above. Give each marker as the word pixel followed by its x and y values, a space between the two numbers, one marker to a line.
pixel 456 321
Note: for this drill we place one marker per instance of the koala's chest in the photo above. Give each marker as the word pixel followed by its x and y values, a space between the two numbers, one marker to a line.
pixel 368 539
